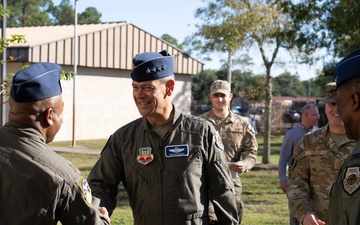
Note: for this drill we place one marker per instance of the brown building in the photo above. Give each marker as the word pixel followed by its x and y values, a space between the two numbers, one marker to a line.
pixel 102 87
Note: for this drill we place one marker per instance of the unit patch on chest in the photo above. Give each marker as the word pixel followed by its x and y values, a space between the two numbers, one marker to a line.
pixel 176 150
pixel 145 157
pixel 351 181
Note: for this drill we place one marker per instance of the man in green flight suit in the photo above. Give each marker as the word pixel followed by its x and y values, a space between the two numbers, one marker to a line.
pixel 170 164
pixel 345 193
pixel 38 186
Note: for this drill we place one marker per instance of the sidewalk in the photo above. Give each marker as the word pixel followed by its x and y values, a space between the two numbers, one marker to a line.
pixel 76 150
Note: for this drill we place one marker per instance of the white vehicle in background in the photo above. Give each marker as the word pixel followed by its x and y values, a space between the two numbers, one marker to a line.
pixel 254 115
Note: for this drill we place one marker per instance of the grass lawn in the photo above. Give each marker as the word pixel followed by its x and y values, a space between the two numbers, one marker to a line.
pixel 265 204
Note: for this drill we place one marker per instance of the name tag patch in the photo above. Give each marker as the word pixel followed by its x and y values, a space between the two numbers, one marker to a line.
pixel 176 151
pixel 319 152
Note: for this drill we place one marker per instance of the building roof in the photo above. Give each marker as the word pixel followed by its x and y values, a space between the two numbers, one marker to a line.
pixel 295 99
pixel 104 45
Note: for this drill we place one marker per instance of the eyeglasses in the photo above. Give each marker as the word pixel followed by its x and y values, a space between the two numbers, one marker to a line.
pixel 315 114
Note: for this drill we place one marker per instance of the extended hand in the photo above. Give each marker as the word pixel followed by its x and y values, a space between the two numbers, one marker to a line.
pixel 238 166
pixel 282 186
pixel 311 219
pixel 104 213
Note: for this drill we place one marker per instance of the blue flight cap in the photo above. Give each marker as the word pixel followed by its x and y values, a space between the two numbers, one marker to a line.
pixel 36 82
pixel 348 67
pixel 152 66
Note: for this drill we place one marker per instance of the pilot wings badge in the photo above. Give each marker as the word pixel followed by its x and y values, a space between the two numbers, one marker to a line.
pixel 145 157
pixel 177 150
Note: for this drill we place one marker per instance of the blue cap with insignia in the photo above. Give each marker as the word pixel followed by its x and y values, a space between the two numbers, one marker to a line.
pixel 152 66
pixel 36 82
pixel 348 67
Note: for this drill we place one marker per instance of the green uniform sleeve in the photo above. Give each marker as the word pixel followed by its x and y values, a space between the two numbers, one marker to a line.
pixel 77 204
pixel 220 183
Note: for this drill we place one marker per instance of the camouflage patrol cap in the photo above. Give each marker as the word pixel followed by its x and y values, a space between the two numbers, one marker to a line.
pixel 330 89
pixel 220 86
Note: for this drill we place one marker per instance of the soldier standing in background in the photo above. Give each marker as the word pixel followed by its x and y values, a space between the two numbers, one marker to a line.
pixel 315 165
pixel 309 119
pixel 237 134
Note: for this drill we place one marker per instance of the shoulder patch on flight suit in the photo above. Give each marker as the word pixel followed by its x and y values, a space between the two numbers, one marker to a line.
pixel 85 189
pixel 218 140
pixel 351 182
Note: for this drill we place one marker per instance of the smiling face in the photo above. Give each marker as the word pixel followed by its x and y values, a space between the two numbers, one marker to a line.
pixel 343 107
pixel 152 98
pixel 220 101
pixel 332 115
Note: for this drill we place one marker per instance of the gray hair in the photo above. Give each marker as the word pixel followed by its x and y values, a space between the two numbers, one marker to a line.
pixel 166 79
pixel 308 106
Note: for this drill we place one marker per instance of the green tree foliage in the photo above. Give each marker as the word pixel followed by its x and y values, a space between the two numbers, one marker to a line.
pixel 45 13
pixel 90 15
pixel 330 24
pixel 317 85
pixel 63 14
pixel 15 39
pixel 172 40
pixel 220 31
pixel 286 84
pixel 308 29
pixel 29 13
pixel 344 26
pixel 200 86
pixel 246 84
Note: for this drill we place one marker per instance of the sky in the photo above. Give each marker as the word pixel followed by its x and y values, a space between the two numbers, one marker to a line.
pixel 177 18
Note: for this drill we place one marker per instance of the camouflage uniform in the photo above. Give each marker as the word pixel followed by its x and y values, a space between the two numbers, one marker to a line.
pixel 240 144
pixel 315 165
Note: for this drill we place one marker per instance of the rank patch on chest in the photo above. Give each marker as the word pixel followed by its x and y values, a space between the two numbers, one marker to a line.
pixel 145 157
pixel 351 181
pixel 176 150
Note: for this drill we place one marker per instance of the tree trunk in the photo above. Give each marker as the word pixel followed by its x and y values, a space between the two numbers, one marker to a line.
pixel 229 68
pixel 268 106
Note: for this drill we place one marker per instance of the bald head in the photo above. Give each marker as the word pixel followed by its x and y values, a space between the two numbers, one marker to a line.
pixel 44 115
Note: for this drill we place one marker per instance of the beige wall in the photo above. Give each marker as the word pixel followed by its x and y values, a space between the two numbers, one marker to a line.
pixel 104 104
pixel 104 101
